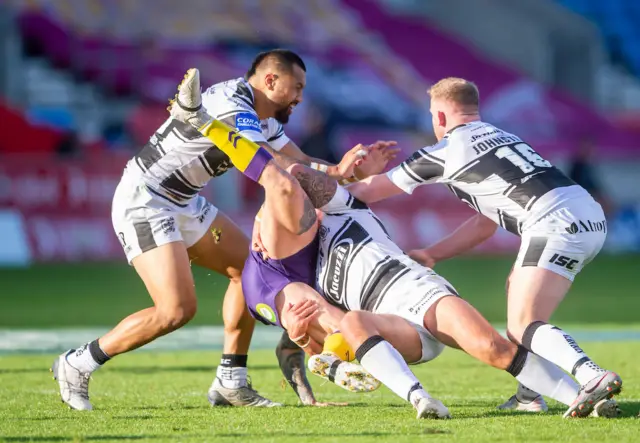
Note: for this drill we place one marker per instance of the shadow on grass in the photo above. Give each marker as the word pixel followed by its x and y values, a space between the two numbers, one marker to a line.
pixel 248 436
pixel 160 369
pixel 629 408
pixel 79 439
pixel 144 369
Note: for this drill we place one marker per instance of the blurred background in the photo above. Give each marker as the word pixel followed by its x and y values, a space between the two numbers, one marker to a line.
pixel 84 83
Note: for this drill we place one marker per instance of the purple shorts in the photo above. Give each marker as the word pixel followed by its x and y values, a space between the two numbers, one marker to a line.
pixel 263 279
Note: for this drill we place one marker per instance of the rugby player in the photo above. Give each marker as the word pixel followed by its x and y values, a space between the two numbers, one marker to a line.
pixel 413 312
pixel 509 185
pixel 163 225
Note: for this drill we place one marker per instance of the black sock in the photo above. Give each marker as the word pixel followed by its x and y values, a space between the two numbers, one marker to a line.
pixel 234 360
pixel 97 353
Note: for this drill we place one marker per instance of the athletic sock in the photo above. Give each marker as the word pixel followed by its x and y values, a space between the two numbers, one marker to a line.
pixel 555 345
pixel 543 376
pixel 232 371
pixel 88 358
pixel 386 364
pixel 249 157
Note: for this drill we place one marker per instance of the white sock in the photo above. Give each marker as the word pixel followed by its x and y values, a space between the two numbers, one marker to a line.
pixel 555 345
pixel 386 364
pixel 232 378
pixel 543 377
pixel 82 360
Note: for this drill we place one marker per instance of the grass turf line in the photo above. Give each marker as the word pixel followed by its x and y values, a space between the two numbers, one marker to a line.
pixel 162 397
pixel 101 294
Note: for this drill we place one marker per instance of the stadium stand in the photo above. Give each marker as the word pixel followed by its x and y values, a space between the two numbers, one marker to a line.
pixel 104 69
pixel 618 21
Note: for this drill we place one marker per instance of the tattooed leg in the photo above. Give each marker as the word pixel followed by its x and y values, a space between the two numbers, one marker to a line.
pixel 292 365
pixel 318 186
pixel 286 201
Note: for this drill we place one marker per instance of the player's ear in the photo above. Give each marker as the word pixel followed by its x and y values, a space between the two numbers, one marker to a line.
pixel 270 81
pixel 442 119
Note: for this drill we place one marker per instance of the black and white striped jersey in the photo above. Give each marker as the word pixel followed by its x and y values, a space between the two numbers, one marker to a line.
pixel 178 161
pixel 493 171
pixel 358 263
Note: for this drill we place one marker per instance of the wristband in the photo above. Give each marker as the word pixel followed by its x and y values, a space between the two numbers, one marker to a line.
pixel 298 338
pixel 319 167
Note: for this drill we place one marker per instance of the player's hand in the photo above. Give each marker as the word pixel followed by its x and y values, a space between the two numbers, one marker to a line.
pixel 297 317
pixel 354 157
pixel 256 241
pixel 380 153
pixel 423 257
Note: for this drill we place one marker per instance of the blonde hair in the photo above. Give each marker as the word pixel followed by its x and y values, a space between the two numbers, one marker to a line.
pixel 457 90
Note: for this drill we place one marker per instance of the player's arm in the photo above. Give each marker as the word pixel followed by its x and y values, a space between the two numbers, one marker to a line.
pixel 256 239
pixel 374 188
pixel 377 154
pixel 421 168
pixel 470 234
pixel 343 170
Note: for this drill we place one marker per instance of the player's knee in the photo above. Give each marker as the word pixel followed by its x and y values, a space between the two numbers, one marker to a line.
pixel 285 185
pixel 352 320
pixel 354 327
pixel 516 328
pixel 498 351
pixel 170 319
pixel 235 275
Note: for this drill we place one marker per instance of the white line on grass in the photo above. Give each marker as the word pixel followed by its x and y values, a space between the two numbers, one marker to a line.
pixel 207 338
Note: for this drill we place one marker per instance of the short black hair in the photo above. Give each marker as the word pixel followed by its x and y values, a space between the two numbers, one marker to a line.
pixel 284 57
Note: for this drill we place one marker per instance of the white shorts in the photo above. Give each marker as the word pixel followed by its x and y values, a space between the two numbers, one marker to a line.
pixel 412 303
pixel 143 220
pixel 565 240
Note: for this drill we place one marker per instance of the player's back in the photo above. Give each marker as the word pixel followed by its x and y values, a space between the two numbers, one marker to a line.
pixel 358 263
pixel 494 172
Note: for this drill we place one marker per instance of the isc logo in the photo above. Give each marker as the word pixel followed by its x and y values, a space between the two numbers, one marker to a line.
pixel 563 261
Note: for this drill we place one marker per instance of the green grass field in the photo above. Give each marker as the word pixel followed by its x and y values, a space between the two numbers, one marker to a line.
pixel 161 396
pixel 55 296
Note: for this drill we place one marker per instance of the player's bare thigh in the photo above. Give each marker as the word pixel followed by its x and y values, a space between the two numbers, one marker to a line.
pixel 357 326
pixel 533 294
pixel 166 274
pixel 223 248
pixel 329 317
pixel 279 241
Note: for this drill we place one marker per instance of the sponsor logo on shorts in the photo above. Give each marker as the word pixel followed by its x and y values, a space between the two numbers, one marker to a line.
pixel 204 213
pixel 245 121
pixel 266 312
pixel 166 226
pixel 588 226
pixel 127 248
pixel 563 261
pixel 426 299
